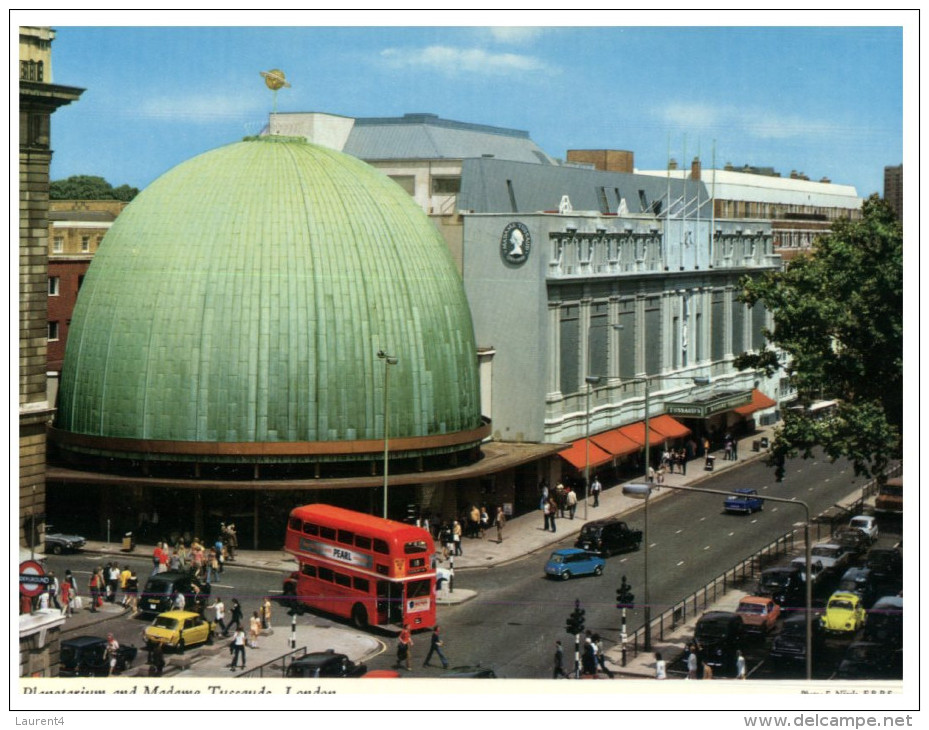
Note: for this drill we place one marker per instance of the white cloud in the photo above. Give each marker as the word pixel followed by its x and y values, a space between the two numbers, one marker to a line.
pixel 759 123
pixel 515 33
pixel 454 60
pixel 200 108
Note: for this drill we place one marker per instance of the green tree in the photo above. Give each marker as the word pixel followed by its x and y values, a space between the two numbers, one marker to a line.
pixel 838 324
pixel 89 187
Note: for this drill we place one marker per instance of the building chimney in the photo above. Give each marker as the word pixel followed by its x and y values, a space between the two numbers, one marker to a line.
pixel 695 169
pixel 672 164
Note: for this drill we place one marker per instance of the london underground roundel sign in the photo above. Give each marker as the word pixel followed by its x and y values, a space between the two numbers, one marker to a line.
pixel 32 580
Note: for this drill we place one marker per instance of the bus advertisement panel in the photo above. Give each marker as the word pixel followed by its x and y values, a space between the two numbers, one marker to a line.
pixel 371 570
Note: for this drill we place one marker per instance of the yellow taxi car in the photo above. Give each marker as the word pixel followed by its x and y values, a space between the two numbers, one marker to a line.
pixel 845 613
pixel 178 630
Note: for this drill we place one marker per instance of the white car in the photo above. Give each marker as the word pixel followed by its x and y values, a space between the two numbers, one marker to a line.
pixel 867 524
pixel 833 557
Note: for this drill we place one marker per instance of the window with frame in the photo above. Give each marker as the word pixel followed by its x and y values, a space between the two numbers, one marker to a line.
pixel 446 185
pixel 308 570
pixel 407 182
pixel 52 331
pixel 54 283
pixel 85 244
pixel 58 244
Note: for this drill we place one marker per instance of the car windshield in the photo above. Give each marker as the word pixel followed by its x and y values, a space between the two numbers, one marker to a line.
pixel 159 586
pixel 712 630
pixel 750 608
pixel 590 532
pixel 163 622
pixel 775 580
pixel 849 584
pixel 556 558
pixel 824 551
pixel 860 523
pixel 841 604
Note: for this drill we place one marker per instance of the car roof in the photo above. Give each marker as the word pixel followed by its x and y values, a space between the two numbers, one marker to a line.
pixel 888 602
pixel 319 657
pixel 845 596
pixel 82 641
pixel 602 522
pixel 745 490
pixel 569 551
pixel 755 599
pixel 856 573
pixel 720 616
pixel 179 614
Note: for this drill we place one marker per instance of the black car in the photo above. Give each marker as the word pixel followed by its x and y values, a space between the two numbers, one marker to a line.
pixel 158 596
pixel 324 664
pixel 789 645
pixel 475 672
pixel 785 586
pixel 608 536
pixel 886 564
pixel 85 656
pixel 855 541
pixel 884 624
pixel 859 581
pixel 869 660
pixel 719 635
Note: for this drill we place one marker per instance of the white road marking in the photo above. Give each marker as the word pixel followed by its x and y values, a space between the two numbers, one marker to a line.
pixel 678 532
pixel 680 563
pixel 731 534
pixel 707 547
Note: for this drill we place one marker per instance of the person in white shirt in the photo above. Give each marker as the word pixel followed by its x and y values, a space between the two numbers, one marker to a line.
pixel 660 667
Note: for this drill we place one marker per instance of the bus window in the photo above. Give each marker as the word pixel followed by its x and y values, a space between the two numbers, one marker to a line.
pixel 346 537
pixel 417 588
pixel 343 580
pixel 381 547
pixel 382 569
pixel 327 532
pixel 414 548
pixel 360 584
pixel 325 574
pixel 310 529
pixel 308 570
pixel 294 523
pixel 362 543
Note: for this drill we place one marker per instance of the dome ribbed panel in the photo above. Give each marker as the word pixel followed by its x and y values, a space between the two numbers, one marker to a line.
pixel 243 296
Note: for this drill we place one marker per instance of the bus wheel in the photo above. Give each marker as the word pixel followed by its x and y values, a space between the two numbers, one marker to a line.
pixel 359 616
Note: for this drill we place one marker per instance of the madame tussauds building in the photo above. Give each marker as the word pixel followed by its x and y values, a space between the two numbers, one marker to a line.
pixel 268 324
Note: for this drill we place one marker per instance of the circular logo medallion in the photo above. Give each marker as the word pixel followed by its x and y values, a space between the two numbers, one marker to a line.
pixel 515 244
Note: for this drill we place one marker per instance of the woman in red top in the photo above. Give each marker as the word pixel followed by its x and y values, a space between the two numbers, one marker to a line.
pixel 404 647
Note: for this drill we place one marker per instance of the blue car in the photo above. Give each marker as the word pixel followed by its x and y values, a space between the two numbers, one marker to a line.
pixel 744 500
pixel 569 562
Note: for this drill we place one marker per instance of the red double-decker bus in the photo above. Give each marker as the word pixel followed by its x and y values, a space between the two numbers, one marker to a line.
pixel 372 570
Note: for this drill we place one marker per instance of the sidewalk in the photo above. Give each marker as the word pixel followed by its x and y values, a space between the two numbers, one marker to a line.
pixel 523 535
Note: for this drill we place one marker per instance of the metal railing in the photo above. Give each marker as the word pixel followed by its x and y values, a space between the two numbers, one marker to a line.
pixel 276 667
pixel 745 570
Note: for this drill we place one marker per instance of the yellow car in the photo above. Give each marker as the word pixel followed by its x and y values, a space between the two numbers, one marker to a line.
pixel 178 630
pixel 844 613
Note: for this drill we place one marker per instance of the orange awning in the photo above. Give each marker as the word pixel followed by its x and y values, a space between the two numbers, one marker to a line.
pixel 576 455
pixel 636 432
pixel 668 427
pixel 614 442
pixel 759 401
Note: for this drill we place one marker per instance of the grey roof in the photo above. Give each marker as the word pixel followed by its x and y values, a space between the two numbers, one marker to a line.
pixel 486 186
pixel 427 136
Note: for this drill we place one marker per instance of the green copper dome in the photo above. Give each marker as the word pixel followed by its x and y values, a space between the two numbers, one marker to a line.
pixel 235 310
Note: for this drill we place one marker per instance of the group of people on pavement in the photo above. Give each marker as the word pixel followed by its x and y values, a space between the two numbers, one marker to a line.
pixel 592 659
pixel 561 499
pixel 243 635
pixel 474 524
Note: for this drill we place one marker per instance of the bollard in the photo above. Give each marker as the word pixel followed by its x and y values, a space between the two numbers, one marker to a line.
pixel 293 630
pixel 451 573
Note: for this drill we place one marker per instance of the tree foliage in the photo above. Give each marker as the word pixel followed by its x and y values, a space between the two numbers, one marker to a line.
pixel 89 187
pixel 838 334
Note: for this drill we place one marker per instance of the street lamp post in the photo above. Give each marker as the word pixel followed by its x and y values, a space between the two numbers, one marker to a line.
pixel 388 361
pixel 644 490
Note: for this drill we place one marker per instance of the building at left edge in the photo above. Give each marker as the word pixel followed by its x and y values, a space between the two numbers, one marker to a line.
pixel 39 97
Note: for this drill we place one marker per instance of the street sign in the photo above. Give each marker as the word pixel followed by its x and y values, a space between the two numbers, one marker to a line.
pixel 32 578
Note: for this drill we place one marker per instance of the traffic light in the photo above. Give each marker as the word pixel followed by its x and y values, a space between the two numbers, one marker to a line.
pixel 624 597
pixel 575 622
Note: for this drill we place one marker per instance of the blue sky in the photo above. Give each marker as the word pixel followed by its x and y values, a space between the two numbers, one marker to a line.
pixel 825 101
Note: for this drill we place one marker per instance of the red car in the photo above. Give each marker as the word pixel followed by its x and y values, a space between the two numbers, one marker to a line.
pixel 759 614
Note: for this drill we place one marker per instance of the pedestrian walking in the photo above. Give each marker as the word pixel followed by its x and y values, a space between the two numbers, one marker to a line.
pixel 499 522
pixel 112 582
pixel 485 521
pixel 132 592
pixel 112 653
pixel 558 670
pixel 254 629
pixel 691 662
pixel 598 653
pixel 661 671
pixel 571 500
pixel 237 617
pixel 547 515
pixel 707 671
pixel 95 587
pixel 67 596
pixel 456 537
pixel 435 647
pixel 404 648
pixel 266 613
pixel 54 589
pixel 220 615
pixel 739 666
pixel 589 658
pixel 595 489
pixel 238 648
